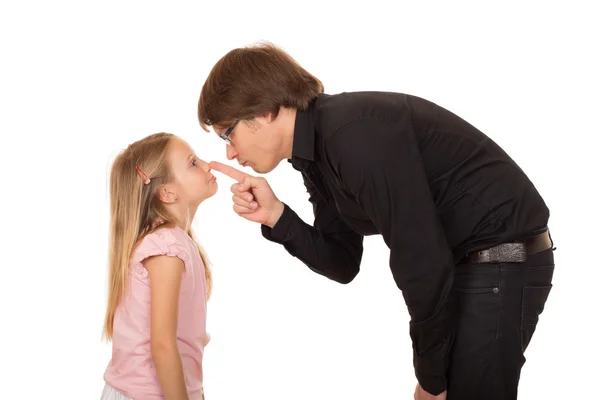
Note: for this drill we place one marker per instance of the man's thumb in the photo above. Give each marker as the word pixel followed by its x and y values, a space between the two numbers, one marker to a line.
pixel 249 182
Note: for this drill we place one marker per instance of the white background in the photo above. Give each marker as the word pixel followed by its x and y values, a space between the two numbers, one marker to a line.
pixel 80 81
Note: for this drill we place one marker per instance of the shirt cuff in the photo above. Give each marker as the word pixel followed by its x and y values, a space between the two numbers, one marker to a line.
pixel 281 232
pixel 431 369
pixel 432 340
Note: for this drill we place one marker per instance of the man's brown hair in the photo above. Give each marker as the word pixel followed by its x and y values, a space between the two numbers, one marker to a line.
pixel 252 81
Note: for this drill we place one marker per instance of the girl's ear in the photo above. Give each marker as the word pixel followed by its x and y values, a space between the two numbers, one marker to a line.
pixel 167 194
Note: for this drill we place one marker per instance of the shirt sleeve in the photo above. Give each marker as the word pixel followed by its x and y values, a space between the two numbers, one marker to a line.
pixel 379 163
pixel 329 248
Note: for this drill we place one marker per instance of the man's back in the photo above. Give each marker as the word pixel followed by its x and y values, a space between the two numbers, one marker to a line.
pixel 481 195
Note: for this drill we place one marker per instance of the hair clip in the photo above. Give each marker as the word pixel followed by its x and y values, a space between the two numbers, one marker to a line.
pixel 142 175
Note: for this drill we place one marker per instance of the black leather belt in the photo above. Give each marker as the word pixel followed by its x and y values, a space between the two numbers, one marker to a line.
pixel 514 252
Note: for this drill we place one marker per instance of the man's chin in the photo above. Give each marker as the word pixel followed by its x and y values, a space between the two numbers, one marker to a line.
pixel 263 169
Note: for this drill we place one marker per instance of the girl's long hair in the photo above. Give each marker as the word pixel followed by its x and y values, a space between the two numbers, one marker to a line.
pixel 134 212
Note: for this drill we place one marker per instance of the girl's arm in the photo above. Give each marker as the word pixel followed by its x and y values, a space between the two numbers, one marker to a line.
pixel 165 280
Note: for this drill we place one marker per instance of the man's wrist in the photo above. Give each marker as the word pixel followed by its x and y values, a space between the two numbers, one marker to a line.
pixel 276 215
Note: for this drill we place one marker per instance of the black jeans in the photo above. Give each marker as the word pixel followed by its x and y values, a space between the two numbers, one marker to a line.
pixel 498 310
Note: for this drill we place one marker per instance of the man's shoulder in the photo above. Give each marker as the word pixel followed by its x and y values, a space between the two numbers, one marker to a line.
pixel 359 101
pixel 333 111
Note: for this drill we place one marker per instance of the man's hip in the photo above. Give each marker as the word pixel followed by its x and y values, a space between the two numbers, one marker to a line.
pixel 499 303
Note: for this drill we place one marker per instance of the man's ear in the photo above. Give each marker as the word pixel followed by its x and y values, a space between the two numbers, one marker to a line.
pixel 167 194
pixel 270 117
pixel 266 118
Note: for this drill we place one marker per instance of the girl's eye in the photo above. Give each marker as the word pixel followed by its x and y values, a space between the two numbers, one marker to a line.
pixel 194 162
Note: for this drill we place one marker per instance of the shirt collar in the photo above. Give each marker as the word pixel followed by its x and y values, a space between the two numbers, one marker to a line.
pixel 304 134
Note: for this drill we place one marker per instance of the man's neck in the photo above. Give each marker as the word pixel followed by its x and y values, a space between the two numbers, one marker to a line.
pixel 289 123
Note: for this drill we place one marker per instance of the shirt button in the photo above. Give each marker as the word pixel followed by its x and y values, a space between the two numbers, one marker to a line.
pixel 495 290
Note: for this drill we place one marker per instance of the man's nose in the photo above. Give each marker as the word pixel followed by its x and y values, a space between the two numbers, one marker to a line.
pixel 231 154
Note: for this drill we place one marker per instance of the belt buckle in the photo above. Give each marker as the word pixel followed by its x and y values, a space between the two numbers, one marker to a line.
pixel 511 253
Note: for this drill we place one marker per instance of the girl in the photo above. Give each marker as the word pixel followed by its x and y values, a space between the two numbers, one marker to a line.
pixel 159 280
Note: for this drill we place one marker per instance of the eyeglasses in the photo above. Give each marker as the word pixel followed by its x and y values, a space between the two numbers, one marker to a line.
pixel 225 135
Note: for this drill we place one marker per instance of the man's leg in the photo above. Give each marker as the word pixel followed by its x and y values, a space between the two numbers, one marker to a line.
pixel 498 309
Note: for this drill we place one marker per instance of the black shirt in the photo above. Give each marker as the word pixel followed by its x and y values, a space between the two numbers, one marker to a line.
pixel 434 186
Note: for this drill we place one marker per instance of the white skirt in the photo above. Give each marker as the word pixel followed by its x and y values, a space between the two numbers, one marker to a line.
pixel 110 393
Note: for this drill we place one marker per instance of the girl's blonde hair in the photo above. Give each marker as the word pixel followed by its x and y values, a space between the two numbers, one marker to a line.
pixel 135 210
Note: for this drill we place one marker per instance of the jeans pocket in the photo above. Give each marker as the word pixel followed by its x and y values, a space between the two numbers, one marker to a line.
pixel 532 305
pixel 477 318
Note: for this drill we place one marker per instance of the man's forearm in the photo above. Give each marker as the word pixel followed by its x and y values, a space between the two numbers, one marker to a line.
pixel 335 254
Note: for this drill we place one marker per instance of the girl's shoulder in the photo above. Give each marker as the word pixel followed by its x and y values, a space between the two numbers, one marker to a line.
pixel 168 241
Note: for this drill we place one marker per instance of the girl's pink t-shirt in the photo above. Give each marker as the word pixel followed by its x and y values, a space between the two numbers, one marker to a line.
pixel 131 369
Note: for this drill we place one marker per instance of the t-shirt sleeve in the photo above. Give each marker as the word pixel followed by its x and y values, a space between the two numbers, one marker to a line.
pixel 163 242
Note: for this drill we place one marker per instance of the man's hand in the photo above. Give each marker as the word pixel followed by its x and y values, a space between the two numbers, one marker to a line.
pixel 421 394
pixel 253 198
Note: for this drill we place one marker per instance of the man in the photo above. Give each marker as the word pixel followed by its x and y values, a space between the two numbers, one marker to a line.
pixel 467 230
